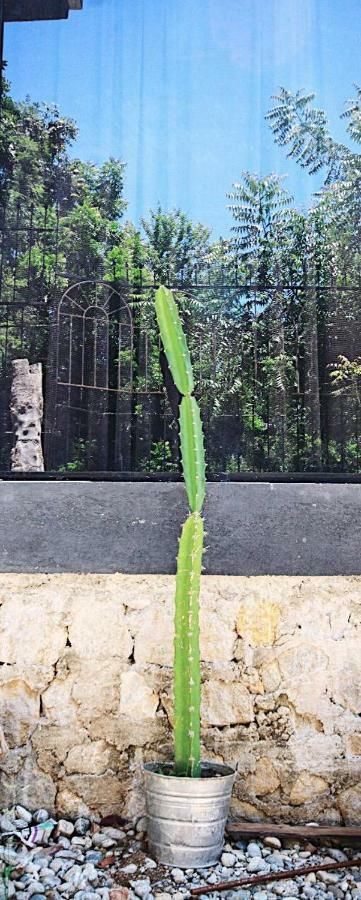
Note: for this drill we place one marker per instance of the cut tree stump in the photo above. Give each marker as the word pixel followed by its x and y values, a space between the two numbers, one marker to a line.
pixel 26 407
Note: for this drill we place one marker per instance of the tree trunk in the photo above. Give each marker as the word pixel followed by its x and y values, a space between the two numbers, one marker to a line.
pixel 26 407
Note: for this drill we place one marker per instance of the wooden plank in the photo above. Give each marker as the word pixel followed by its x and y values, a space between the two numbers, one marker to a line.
pixel 307 832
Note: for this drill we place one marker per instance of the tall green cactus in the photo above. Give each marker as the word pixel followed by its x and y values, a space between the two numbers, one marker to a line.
pixel 187 680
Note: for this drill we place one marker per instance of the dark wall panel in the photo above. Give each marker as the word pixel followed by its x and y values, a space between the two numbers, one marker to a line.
pixel 252 529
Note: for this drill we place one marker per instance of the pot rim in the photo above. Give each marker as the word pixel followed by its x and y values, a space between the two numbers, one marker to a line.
pixel 221 769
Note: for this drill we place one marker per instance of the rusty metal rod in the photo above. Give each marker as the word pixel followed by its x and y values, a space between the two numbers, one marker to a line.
pixel 274 876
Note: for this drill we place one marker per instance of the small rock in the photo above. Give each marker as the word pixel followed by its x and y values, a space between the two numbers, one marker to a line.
pixel 163 896
pixel 85 895
pixel 81 825
pixel 117 834
pixel 142 825
pixel 64 827
pixel 41 815
pixel 212 878
pixel 123 893
pixel 90 873
pixel 35 887
pixel 178 876
pixel 327 877
pixel 260 895
pixel 273 842
pixel 276 860
pixel 141 888
pixel 150 863
pixel 6 824
pixel 228 860
pixel 258 864
pixel 23 813
pixel 130 869
pixel 102 840
pixel 337 854
pixel 94 856
pixel 64 842
pixel 254 849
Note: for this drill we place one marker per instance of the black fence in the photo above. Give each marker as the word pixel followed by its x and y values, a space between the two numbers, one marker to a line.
pixel 278 366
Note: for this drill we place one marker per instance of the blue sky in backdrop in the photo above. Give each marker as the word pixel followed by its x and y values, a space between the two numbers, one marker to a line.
pixel 179 88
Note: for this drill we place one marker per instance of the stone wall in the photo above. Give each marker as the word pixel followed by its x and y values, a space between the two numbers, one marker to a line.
pixel 85 690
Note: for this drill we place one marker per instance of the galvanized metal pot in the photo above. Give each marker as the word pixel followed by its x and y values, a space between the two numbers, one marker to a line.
pixel 187 816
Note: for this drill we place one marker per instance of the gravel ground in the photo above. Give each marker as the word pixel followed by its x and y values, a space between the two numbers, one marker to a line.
pixel 83 859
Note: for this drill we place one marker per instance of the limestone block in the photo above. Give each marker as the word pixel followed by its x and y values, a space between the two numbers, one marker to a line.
pixel 39 615
pixel 33 788
pixel 152 628
pixel 58 704
pixel 217 626
pixel 137 700
pixel 226 703
pixel 264 780
pixel 257 621
pixel 69 804
pixel 345 675
pixel 353 744
pixel 96 687
pixel 139 591
pixel 103 793
pixel 88 759
pixel 306 788
pixel 19 706
pixel 98 629
pixel 122 732
pixel 349 802
pixel 271 675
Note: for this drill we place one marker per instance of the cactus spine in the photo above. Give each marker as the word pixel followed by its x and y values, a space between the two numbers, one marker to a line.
pixel 187 681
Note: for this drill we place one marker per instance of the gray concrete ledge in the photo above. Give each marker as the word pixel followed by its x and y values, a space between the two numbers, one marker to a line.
pixel 252 528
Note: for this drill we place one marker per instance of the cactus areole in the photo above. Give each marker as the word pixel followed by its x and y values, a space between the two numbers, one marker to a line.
pixel 187 681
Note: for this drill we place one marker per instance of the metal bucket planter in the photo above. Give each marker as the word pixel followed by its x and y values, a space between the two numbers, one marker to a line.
pixel 187 816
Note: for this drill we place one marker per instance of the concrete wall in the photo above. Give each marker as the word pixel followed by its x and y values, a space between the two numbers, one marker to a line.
pixel 85 657
pixel 253 529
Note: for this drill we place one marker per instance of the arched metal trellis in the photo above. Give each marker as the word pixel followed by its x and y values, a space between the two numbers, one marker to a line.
pixel 90 382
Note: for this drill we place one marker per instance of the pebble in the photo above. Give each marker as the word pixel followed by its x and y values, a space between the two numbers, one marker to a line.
pixel 228 860
pixel 41 815
pixel 178 875
pixel 254 849
pixel 6 824
pixel 81 825
pixel 64 827
pixel 257 864
pixel 273 842
pixel 23 813
pixel 141 888
pixel 74 870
